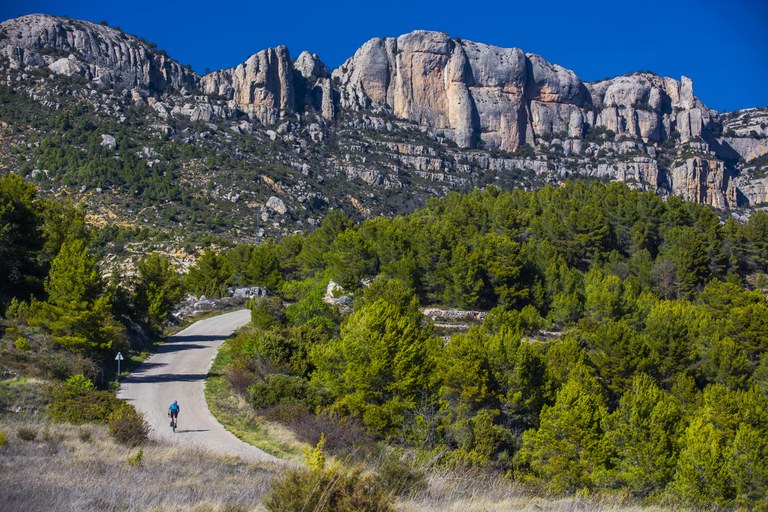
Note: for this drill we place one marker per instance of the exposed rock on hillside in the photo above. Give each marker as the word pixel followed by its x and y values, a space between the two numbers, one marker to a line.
pixel 501 97
pixel 100 53
pixel 402 120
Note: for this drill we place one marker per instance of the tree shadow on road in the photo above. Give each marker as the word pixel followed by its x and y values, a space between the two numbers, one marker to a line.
pixel 165 377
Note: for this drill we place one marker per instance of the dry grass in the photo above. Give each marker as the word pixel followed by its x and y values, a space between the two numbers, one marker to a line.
pixel 80 468
pixel 68 468
pixel 454 491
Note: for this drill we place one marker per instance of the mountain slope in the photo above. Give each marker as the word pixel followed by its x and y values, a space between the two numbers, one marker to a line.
pixel 269 146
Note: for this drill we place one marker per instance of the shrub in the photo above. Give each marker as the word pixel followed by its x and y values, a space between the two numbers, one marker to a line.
pixel 17 310
pixel 135 459
pixel 280 388
pixel 80 381
pixel 3 440
pixel 399 477
pixel 26 434
pixel 22 344
pixel 330 490
pixel 85 435
pixel 81 405
pixel 128 426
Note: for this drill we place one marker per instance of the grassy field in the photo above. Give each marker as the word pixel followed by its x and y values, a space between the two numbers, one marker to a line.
pixel 71 468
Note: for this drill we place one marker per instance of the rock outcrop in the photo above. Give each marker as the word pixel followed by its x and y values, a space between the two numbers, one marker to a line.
pixel 418 92
pixel 501 97
pixel 269 87
pixel 97 52
pixel 261 86
pixel 703 181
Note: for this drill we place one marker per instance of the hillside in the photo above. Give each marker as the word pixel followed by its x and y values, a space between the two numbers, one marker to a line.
pixel 265 149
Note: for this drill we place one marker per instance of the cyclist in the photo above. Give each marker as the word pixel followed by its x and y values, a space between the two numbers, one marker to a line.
pixel 173 413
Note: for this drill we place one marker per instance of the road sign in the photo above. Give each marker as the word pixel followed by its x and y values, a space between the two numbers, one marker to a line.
pixel 118 358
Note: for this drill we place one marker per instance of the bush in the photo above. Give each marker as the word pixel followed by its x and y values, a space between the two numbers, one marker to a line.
pixel 85 435
pixel 279 388
pixel 330 490
pixel 400 478
pixel 26 434
pixel 81 405
pixel 22 344
pixel 128 426
pixel 17 311
pixel 135 459
pixel 3 440
pixel 80 381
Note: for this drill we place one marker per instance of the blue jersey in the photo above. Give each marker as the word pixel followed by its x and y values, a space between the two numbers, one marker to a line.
pixel 174 408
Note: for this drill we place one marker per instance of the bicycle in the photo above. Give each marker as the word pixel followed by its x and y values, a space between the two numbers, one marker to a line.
pixel 173 413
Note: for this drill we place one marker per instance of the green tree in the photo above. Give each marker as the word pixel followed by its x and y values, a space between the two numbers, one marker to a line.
pixel 158 288
pixel 208 276
pixel 642 434
pixel 77 312
pixel 351 259
pixel 567 452
pixel 264 268
pixel 21 240
pixel 380 365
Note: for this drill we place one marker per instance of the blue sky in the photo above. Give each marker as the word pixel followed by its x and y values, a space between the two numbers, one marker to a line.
pixel 722 45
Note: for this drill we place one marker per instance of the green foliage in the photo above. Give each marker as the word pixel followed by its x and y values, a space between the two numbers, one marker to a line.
pixel 351 259
pixel 17 310
pixel 331 490
pixel 567 452
pixel 78 405
pixel 80 381
pixel 208 276
pixel 77 311
pixel 21 242
pixel 267 312
pixel 380 365
pixel 135 459
pixel 400 478
pixel 3 440
pixel 22 344
pixel 642 433
pixel 278 388
pixel 315 457
pixel 157 289
pixel 127 426
pixel 26 433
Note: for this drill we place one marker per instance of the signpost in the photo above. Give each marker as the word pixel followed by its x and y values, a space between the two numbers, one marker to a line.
pixel 118 358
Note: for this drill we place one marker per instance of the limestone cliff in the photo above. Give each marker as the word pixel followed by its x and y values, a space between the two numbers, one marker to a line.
pixel 501 97
pixel 512 114
pixel 99 53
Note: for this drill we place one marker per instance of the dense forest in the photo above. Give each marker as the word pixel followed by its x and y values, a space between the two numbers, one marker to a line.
pixel 622 350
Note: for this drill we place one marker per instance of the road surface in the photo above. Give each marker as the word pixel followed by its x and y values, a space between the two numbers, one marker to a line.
pixel 177 372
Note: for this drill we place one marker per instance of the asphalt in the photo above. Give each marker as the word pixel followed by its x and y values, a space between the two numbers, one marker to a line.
pixel 177 372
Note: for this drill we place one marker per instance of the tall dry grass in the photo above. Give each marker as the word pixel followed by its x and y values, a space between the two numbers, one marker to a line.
pixel 69 468
pixel 472 491
pixel 80 468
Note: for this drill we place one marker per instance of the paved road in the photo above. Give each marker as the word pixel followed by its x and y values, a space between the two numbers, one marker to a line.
pixel 177 372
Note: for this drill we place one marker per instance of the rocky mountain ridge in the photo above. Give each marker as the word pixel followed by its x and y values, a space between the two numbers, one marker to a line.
pixel 418 115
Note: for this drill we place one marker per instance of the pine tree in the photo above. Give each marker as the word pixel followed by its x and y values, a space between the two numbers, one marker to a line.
pixel 77 312
pixel 380 365
pixel 158 289
pixel 642 434
pixel 567 452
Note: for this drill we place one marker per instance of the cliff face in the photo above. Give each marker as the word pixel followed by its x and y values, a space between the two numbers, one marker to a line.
pixel 640 128
pixel 99 53
pixel 503 97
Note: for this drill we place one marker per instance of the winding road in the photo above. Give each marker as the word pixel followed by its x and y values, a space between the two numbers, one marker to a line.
pixel 177 372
